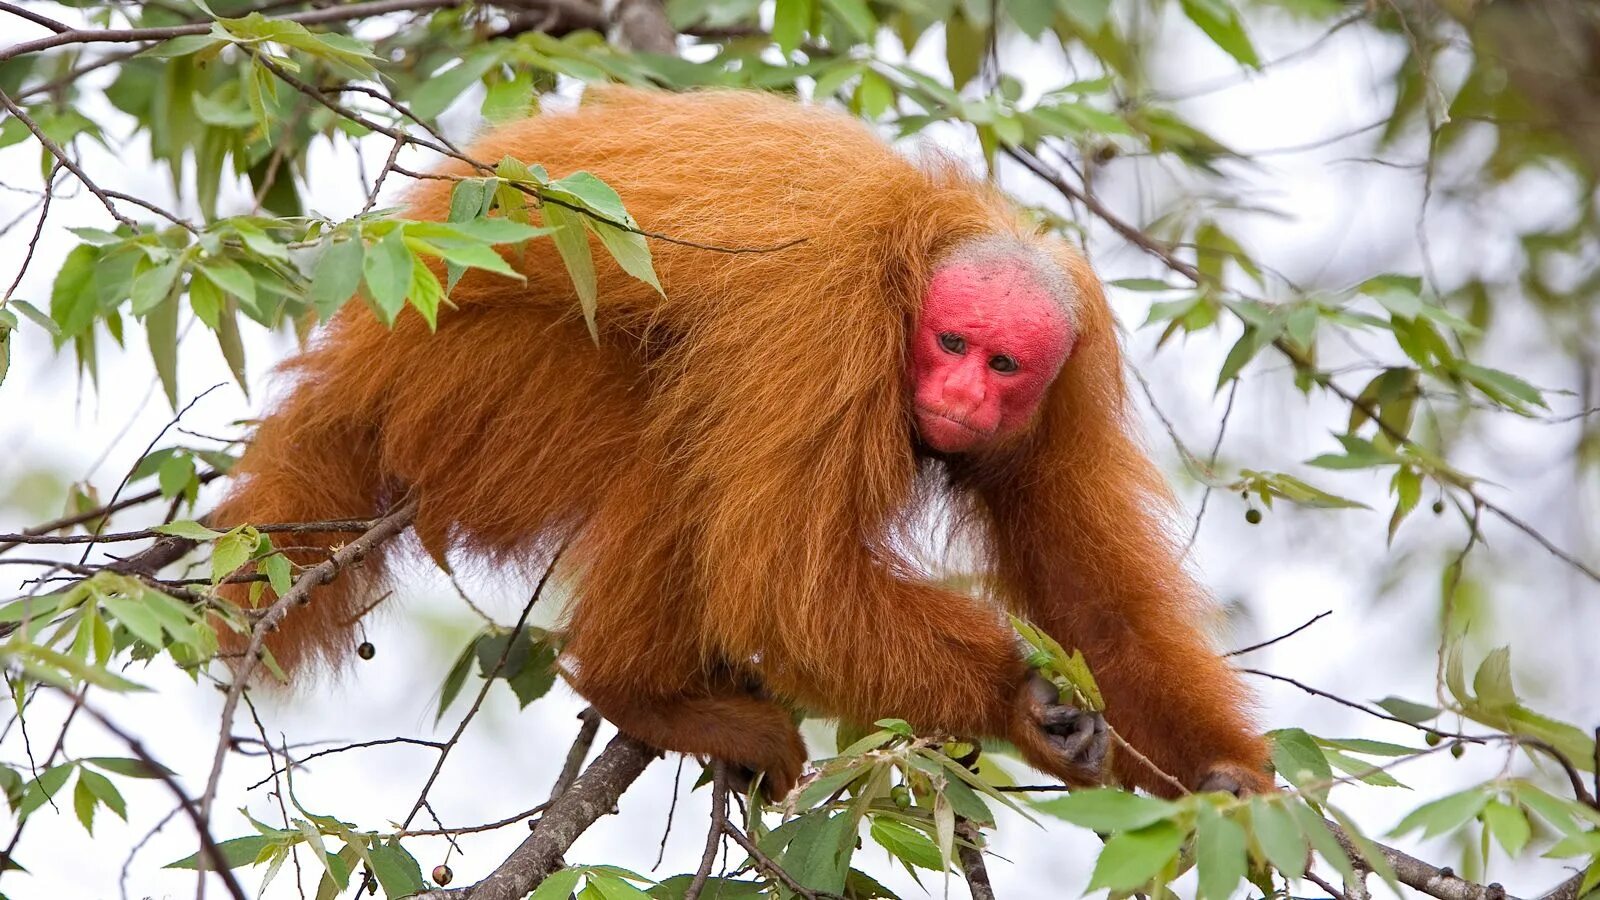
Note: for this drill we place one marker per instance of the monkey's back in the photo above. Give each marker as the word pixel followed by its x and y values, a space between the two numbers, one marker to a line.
pixel 515 427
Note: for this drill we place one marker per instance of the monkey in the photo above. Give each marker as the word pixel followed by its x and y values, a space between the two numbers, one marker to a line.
pixel 733 464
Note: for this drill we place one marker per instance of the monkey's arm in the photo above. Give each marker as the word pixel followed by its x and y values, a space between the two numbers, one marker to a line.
pixel 797 477
pixel 1081 548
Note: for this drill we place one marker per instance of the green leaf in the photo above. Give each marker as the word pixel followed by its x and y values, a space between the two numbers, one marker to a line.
pixel 856 16
pixel 1509 825
pixel 138 619
pixel 37 317
pixel 439 90
pixel 1298 758
pixel 1408 711
pixel 73 299
pixel 910 846
pixel 534 678
pixel 1032 16
pixel 231 342
pixel 476 256
pixel 1219 854
pixel 1131 859
pixel 610 887
pixel 337 275
pixel 39 790
pixel 276 568
pixel 1444 815
pixel 714 888
pixel 1584 844
pixel 559 886
pixel 242 851
pixel 175 474
pixel 573 244
pixel 231 551
pixel 509 99
pixel 819 854
pixel 630 251
pixel 187 528
pixel 1220 21
pixel 128 768
pixel 1280 838
pixel 153 286
pixel 457 676
pixel 586 191
pixel 183 45
pixel 231 277
pixel 161 331
pixel 1503 387
pixel 1107 809
pixel 789 21
pixel 396 869
pixel 1090 15
pixel 104 791
pixel 827 785
pixel 83 803
pixel 387 269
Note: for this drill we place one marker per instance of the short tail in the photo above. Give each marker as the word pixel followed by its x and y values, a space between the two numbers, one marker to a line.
pixel 311 461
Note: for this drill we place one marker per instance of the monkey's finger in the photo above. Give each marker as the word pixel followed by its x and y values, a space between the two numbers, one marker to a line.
pixel 1062 719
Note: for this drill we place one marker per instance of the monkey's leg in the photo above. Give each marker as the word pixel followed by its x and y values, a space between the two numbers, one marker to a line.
pixel 638 636
pixel 740 729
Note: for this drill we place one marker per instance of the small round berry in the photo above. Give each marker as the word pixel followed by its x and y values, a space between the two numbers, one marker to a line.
pixel 1253 516
pixel 442 875
pixel 1458 749
pixel 901 795
pixel 1438 507
pixel 366 650
pixel 1432 738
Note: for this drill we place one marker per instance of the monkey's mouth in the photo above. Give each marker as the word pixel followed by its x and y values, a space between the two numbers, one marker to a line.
pixel 945 432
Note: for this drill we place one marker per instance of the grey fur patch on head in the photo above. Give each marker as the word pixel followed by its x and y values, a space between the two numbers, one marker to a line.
pixel 1046 271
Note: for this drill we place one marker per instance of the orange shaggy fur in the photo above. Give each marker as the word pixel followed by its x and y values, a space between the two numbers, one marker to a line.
pixel 734 466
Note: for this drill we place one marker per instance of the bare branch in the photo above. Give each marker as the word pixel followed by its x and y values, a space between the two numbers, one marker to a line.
pixel 208 847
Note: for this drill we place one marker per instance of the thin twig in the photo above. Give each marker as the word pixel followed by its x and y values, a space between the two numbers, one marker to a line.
pixel 61 155
pixel 971 856
pixel 1282 637
pixel 714 834
pixel 386 528
pixel 101 512
pixel 578 752
pixel 208 847
pixel 483 692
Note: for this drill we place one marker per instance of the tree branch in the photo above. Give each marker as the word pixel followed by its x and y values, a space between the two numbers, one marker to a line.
pixel 593 795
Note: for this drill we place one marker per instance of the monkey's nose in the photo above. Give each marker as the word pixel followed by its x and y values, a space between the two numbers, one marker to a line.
pixel 963 394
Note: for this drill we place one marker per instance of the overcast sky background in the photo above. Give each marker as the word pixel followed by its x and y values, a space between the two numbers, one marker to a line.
pixel 1341 221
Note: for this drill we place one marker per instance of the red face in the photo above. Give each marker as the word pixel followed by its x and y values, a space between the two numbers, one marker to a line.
pixel 990 341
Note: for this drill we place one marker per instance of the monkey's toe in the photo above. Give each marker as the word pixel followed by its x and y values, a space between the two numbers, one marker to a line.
pixel 776 781
pixel 1235 779
pixel 1081 738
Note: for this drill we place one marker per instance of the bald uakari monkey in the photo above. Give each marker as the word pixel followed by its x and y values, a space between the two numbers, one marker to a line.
pixel 736 464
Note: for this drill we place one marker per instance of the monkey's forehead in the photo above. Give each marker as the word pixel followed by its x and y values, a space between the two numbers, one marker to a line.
pixel 1010 257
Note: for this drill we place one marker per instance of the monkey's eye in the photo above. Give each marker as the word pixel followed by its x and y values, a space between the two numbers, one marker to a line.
pixel 953 342
pixel 1003 364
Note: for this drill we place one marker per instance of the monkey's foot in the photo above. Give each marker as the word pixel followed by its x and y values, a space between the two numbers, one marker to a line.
pixel 1078 738
pixel 1238 780
pixel 776 782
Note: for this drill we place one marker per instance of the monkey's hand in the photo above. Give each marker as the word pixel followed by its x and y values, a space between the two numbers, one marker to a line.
pixel 1075 742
